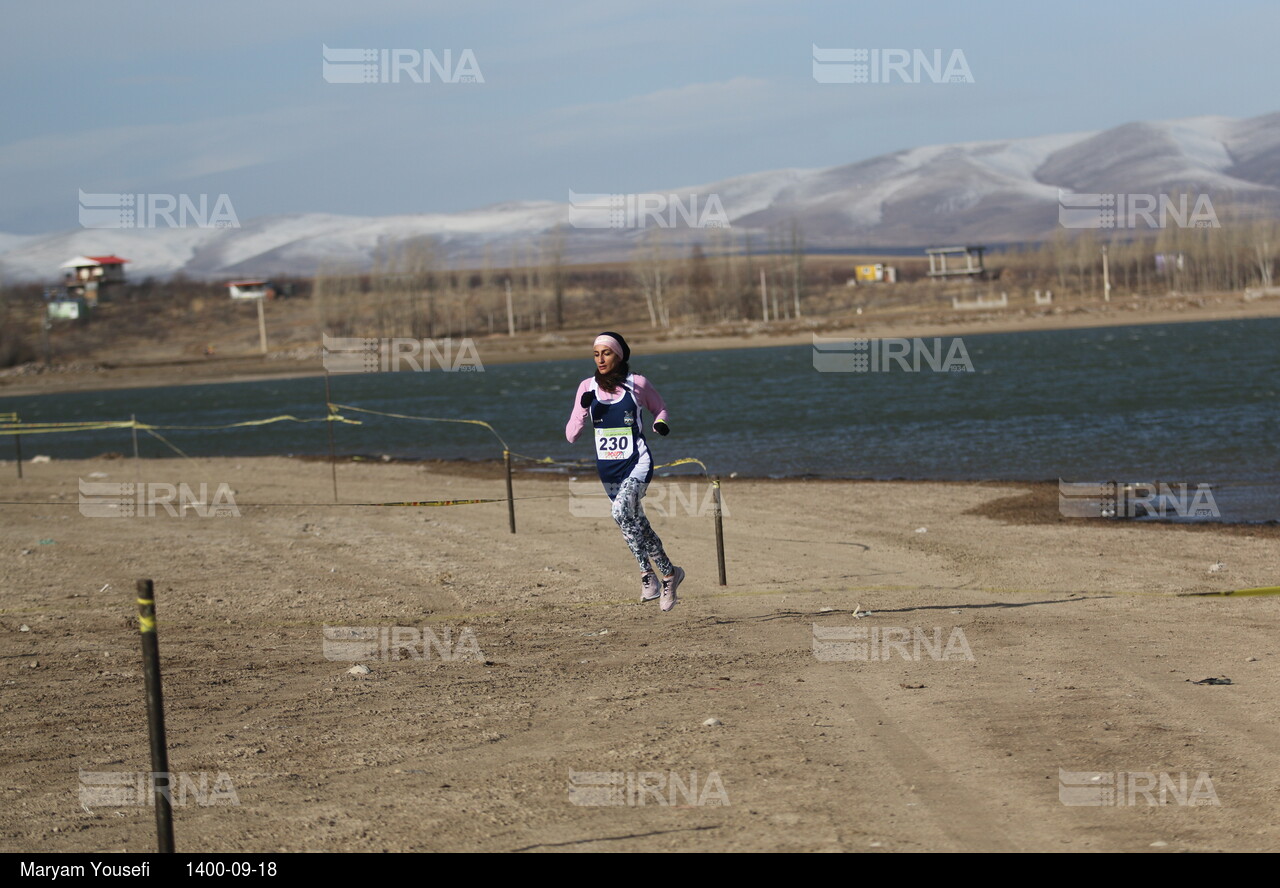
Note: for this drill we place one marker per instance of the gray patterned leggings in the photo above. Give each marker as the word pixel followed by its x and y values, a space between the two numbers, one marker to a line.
pixel 641 539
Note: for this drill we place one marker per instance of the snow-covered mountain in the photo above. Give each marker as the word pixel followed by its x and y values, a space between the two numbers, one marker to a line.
pixel 975 192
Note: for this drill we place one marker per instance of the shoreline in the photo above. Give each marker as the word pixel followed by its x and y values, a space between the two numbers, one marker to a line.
pixel 535 348
pixel 1033 503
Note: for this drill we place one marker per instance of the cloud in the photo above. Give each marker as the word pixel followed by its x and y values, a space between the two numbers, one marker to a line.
pixel 659 114
pixel 157 152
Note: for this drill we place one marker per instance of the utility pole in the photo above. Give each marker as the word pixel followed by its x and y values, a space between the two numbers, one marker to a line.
pixel 262 325
pixel 511 318
pixel 1106 278
pixel 764 297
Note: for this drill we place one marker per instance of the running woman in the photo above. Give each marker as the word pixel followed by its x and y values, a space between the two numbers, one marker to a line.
pixel 613 402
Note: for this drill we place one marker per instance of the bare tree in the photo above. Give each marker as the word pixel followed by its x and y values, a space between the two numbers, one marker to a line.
pixel 698 284
pixel 553 254
pixel 649 270
pixel 726 274
pixel 797 264
pixel 1263 237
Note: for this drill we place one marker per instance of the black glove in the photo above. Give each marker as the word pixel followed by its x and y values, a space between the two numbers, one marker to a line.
pixel 587 397
pixel 662 428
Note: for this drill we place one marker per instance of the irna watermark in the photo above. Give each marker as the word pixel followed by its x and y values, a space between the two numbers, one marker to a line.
pixel 1106 789
pixel 146 499
pixel 394 354
pixel 650 210
pixel 122 789
pixel 399 66
pixel 847 643
pixel 1140 499
pixel 890 66
pixel 390 643
pixel 156 211
pixel 602 789
pixel 1122 210
pixel 884 355
pixel 666 499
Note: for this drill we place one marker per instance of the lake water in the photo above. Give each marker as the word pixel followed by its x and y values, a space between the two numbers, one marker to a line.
pixel 1192 403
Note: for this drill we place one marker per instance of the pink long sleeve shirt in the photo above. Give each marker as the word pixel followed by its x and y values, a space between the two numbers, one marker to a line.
pixel 646 395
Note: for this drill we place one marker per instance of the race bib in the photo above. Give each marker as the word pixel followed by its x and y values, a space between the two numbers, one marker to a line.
pixel 614 443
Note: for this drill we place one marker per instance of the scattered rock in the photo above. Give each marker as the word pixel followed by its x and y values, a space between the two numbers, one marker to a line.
pixel 35 460
pixel 1251 659
pixel 1158 844
pixel 713 723
pixel 359 669
pixel 922 530
pixel 911 687
pixel 1216 566
pixel 98 475
pixel 24 628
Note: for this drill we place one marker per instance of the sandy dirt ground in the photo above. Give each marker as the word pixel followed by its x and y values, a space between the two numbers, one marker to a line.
pixel 1070 645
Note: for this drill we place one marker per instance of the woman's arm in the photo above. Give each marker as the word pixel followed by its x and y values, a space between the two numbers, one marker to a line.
pixel 579 415
pixel 650 400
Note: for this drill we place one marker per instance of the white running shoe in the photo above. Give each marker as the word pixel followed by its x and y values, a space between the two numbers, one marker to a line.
pixel 669 586
pixel 652 589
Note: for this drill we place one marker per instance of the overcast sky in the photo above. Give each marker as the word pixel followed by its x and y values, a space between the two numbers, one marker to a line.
pixel 230 97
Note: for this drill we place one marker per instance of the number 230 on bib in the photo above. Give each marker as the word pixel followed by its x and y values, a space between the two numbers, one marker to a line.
pixel 613 443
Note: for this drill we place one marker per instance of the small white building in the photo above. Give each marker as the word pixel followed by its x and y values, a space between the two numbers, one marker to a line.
pixel 252 290
pixel 92 276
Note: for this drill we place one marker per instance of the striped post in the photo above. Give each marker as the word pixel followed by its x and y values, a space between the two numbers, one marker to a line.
pixel 715 498
pixel 333 459
pixel 511 502
pixel 17 439
pixel 155 715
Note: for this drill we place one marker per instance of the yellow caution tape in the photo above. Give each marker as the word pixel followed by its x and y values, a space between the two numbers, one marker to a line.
pixel 332 417
pixel 681 462
pixel 44 428
pixel 479 422
pixel 39 428
pixel 1237 593
pixel 467 502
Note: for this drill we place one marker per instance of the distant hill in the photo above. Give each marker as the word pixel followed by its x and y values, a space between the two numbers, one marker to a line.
pixel 975 192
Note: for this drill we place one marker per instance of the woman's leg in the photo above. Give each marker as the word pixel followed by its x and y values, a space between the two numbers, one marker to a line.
pixel 636 530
